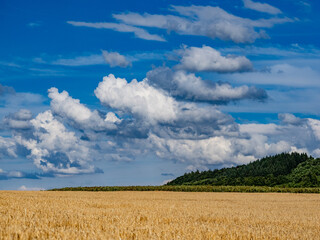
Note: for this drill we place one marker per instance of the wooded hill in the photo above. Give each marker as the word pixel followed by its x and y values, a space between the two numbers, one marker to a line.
pixel 282 170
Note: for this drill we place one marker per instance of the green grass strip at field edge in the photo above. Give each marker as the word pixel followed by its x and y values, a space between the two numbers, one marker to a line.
pixel 182 188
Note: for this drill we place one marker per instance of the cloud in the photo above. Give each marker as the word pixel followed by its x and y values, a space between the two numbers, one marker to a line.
pixel 261 7
pixel 55 149
pixel 201 153
pixel 67 107
pixel 19 120
pixel 138 98
pixel 154 109
pixel 212 22
pixel 114 59
pixel 119 27
pixel 171 114
pixel 207 59
pixel 301 134
pixel 289 118
pixel 250 142
pixel 190 87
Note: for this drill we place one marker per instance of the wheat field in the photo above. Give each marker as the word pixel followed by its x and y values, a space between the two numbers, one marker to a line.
pixel 158 215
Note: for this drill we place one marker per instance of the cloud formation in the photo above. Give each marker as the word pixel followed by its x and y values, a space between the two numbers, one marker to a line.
pixel 212 22
pixel 120 27
pixel 188 86
pixel 114 59
pixel 138 98
pixel 55 149
pixel 250 142
pixel 78 114
pixel 19 120
pixel 261 7
pixel 167 115
pixel 207 59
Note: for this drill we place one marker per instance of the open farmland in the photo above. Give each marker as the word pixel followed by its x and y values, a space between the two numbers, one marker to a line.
pixel 158 215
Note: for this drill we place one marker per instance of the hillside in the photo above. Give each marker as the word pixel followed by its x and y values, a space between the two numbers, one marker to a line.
pixel 284 170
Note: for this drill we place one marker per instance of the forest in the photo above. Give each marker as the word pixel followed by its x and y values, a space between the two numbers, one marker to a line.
pixel 293 170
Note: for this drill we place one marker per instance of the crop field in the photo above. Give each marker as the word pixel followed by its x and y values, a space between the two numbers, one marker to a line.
pixel 158 215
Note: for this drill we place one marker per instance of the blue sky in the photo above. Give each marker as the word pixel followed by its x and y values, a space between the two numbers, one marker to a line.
pixel 137 93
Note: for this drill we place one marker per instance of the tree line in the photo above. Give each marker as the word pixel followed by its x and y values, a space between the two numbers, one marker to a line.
pixel 281 170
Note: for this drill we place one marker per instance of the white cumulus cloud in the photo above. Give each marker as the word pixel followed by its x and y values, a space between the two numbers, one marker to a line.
pixel 138 98
pixel 67 107
pixel 55 149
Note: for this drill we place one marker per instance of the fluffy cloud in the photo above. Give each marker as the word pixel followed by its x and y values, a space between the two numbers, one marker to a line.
pixel 55 149
pixel 217 150
pixel 247 143
pixel 149 105
pixel 189 87
pixel 207 59
pixel 138 98
pixel 154 111
pixel 119 27
pixel 67 107
pixel 214 150
pixel 297 134
pixel 261 7
pixel 208 21
pixel 156 118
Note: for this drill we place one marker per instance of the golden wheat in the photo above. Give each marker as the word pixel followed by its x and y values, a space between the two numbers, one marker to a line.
pixel 158 215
